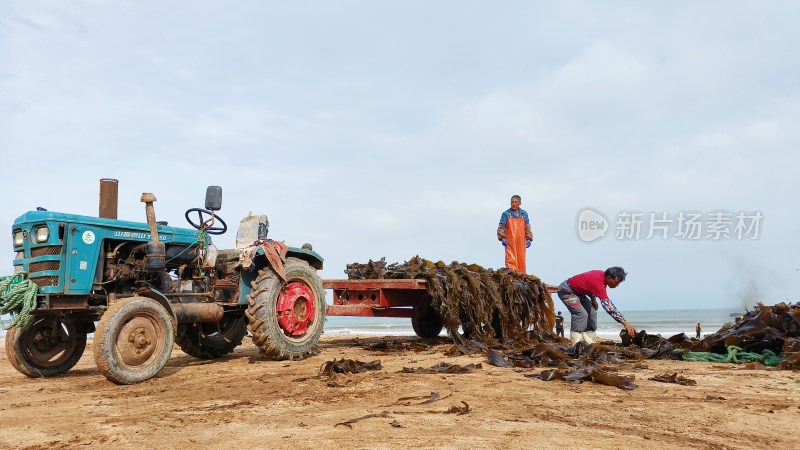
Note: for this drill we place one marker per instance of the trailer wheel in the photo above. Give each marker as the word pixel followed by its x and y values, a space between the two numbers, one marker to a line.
pixel 47 347
pixel 428 325
pixel 133 340
pixel 286 319
pixel 206 340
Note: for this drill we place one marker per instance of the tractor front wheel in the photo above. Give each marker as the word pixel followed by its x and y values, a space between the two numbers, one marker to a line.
pixel 286 319
pixel 133 340
pixel 47 347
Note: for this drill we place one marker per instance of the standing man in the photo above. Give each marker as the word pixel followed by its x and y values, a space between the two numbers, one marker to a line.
pixel 560 324
pixel 698 329
pixel 514 232
pixel 580 294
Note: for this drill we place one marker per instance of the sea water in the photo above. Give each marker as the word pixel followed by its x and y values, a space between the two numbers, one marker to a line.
pixel 666 322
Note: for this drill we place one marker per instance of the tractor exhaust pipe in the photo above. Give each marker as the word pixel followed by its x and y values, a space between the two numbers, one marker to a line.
pixel 108 198
pixel 154 260
pixel 197 312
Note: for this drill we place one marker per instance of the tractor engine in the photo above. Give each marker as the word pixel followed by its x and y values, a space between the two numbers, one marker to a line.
pixel 126 271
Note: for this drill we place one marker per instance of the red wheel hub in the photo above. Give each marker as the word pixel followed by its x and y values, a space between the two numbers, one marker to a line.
pixel 296 309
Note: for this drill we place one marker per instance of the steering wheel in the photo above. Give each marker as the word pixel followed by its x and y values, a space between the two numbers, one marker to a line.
pixel 200 226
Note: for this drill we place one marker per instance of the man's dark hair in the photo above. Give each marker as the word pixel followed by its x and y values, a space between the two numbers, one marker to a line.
pixel 616 273
pixel 515 196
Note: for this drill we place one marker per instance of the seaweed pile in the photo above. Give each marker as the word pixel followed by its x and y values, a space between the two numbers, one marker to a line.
pixel 490 306
pixel 775 328
pixel 581 362
pixel 509 316
pixel 767 330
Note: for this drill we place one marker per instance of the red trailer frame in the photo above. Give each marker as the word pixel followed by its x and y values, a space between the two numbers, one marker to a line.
pixel 381 298
pixel 378 298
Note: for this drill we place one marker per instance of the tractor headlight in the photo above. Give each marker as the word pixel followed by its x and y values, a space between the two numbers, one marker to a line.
pixel 42 234
pixel 19 238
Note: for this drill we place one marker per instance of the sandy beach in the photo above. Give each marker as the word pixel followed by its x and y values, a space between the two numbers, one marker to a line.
pixel 245 401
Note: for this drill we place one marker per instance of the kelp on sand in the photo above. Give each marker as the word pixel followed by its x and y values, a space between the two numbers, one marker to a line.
pixel 509 315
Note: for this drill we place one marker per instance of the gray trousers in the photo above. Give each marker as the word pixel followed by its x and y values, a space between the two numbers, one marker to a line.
pixel 583 316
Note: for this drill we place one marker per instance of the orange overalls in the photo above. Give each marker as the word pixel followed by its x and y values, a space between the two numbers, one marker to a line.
pixel 515 236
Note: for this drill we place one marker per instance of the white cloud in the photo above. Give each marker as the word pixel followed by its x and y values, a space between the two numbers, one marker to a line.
pixel 394 129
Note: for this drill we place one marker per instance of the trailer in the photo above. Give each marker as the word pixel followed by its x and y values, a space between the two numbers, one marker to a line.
pixel 389 298
pixel 142 286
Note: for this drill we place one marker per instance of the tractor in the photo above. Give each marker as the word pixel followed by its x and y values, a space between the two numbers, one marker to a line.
pixel 142 287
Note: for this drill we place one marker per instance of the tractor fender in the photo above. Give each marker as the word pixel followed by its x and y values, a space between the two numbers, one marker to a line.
pixel 311 257
pixel 163 301
pixel 248 276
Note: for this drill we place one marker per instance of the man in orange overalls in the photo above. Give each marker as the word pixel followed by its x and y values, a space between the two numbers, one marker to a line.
pixel 514 232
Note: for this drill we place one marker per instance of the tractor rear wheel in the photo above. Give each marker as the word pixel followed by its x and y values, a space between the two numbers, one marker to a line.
pixel 206 340
pixel 47 347
pixel 429 325
pixel 286 319
pixel 133 340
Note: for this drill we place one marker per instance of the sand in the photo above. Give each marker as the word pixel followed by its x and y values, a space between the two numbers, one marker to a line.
pixel 244 401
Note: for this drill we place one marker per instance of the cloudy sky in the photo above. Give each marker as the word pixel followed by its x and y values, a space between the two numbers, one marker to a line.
pixel 401 128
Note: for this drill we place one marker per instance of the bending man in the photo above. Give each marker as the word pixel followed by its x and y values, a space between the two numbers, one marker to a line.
pixel 580 294
pixel 514 232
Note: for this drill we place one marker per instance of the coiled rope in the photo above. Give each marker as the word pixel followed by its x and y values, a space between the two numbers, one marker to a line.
pixel 735 355
pixel 18 298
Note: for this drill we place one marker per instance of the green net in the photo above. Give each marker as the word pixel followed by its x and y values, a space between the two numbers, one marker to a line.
pixel 735 355
pixel 18 298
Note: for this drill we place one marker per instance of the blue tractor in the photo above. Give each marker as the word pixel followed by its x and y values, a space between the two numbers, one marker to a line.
pixel 140 287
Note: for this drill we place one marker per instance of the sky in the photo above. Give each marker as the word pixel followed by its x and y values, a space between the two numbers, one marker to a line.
pixel 401 128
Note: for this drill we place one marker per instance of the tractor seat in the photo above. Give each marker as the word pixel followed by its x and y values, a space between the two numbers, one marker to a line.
pixel 251 229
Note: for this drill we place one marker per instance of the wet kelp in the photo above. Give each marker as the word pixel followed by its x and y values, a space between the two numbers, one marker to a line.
pixel 775 328
pixel 490 306
pixel 347 366
pixel 768 335
pixel 674 378
pixel 509 317
pixel 443 367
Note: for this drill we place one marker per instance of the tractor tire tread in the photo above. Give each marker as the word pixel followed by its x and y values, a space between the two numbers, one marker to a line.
pixel 18 360
pixel 261 313
pixel 191 340
pixel 102 353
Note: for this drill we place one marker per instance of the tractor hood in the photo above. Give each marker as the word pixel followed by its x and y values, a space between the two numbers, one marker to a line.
pixel 117 228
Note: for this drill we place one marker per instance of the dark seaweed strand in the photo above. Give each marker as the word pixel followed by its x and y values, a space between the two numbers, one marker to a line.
pixel 479 301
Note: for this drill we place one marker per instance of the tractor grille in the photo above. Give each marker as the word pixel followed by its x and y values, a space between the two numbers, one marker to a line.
pixel 45 281
pixel 46 251
pixel 44 265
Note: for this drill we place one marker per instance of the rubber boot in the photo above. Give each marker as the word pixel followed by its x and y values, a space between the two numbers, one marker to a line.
pixel 575 336
pixel 590 337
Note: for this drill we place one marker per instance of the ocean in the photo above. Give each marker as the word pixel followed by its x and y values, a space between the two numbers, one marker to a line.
pixel 665 322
